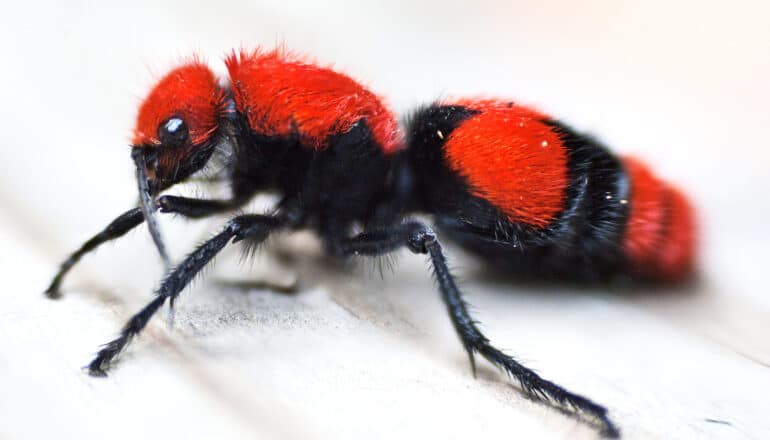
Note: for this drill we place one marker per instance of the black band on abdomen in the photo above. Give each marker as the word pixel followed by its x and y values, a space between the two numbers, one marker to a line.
pixel 596 212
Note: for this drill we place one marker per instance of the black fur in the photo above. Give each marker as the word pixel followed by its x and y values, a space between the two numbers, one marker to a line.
pixel 336 186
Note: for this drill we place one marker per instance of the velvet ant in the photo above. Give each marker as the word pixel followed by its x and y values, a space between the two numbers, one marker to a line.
pixel 520 189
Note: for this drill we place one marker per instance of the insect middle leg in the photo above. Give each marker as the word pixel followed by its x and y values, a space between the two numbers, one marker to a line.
pixel 421 239
pixel 191 208
pixel 256 228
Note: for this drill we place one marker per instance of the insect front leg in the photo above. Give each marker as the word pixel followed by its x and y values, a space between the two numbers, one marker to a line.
pixel 421 239
pixel 191 208
pixel 196 208
pixel 255 228
pixel 117 228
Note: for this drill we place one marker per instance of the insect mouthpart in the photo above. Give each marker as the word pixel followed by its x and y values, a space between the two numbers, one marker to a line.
pixel 148 189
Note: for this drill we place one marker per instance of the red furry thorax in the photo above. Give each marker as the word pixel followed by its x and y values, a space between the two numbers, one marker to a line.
pixel 281 94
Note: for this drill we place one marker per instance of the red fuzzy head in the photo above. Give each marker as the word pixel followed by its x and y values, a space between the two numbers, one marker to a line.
pixel 175 122
pixel 189 92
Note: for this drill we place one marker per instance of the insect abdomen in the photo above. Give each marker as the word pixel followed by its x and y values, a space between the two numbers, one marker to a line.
pixel 535 196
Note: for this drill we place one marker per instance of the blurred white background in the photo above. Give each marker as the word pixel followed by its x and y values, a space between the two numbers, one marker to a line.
pixel 683 85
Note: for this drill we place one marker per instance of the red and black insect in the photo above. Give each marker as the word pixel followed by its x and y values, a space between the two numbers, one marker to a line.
pixel 523 191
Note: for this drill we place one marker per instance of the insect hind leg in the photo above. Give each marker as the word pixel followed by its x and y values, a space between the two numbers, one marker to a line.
pixel 421 239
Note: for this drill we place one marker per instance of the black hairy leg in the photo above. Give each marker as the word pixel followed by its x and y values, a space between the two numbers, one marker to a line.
pixel 421 239
pixel 191 208
pixel 196 208
pixel 124 223
pixel 255 228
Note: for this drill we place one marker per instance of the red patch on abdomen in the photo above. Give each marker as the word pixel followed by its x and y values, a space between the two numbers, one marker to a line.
pixel 511 159
pixel 281 95
pixel 660 233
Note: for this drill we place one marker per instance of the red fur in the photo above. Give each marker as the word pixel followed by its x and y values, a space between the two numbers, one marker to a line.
pixel 647 210
pixel 660 234
pixel 677 251
pixel 280 93
pixel 510 159
pixel 189 91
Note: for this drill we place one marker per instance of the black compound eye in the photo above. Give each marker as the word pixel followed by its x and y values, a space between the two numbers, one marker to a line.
pixel 173 132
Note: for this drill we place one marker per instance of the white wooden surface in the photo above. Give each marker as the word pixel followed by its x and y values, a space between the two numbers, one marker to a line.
pixel 352 355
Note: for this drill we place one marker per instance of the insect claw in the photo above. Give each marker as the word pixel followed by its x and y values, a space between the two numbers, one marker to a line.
pixel 472 360
pixel 94 370
pixel 170 316
pixel 52 293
